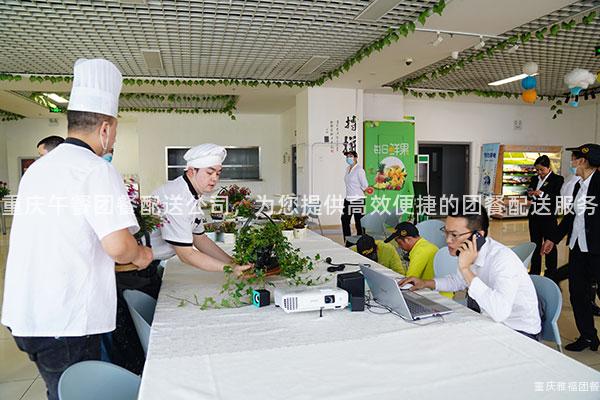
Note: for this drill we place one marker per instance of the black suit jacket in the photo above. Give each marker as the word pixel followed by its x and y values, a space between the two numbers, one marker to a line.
pixel 551 189
pixel 592 218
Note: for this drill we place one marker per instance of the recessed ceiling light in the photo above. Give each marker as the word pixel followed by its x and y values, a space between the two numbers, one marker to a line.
pixel 153 59
pixel 376 10
pixel 509 80
pixel 311 65
pixel 56 98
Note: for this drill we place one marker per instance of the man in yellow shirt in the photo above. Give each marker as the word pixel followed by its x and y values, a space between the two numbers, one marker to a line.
pixel 380 252
pixel 420 251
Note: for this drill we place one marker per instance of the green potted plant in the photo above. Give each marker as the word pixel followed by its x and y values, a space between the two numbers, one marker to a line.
pixel 287 227
pixel 300 226
pixel 244 209
pixel 210 230
pixel 228 230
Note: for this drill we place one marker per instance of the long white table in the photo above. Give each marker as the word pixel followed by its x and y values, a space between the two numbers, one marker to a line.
pixel 252 353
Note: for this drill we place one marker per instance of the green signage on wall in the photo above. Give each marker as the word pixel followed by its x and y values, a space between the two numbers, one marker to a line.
pixel 389 162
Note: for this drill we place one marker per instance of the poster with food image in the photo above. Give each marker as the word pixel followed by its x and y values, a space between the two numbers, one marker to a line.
pixel 389 162
pixel 391 174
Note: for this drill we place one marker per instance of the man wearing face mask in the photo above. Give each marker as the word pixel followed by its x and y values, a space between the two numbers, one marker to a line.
pixel 354 203
pixel 581 225
pixel 60 293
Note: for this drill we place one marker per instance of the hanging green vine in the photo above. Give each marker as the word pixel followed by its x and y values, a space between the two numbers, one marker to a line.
pixel 392 35
pixel 8 116
pixel 229 107
pixel 522 38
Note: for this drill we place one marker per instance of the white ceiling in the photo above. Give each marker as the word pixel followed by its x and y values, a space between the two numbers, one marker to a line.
pixel 491 17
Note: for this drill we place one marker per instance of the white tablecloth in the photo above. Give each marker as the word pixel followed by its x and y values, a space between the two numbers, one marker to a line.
pixel 251 353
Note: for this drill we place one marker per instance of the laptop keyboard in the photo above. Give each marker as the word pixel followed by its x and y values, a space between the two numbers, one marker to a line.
pixel 416 308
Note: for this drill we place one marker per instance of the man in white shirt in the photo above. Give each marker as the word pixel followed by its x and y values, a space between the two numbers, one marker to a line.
pixel 497 283
pixel 581 225
pixel 72 222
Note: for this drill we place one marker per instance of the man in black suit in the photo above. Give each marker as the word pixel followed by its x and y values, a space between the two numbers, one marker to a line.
pixel 543 190
pixel 582 225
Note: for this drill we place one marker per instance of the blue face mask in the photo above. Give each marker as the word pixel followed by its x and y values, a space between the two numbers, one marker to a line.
pixel 573 170
pixel 350 161
pixel 108 157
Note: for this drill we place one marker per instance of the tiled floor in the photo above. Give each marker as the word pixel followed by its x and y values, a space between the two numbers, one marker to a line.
pixel 19 378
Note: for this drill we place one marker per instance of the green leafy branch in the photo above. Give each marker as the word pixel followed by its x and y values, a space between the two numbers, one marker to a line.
pixel 8 116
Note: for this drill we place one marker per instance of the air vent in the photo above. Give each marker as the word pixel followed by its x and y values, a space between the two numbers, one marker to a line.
pixel 153 60
pixel 290 303
pixel 376 10
pixel 311 65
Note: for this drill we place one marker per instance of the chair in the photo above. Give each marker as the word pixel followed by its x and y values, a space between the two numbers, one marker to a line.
pixel 525 252
pixel 312 211
pixel 431 231
pixel 141 307
pixel 98 380
pixel 391 220
pixel 549 294
pixel 444 264
pixel 372 224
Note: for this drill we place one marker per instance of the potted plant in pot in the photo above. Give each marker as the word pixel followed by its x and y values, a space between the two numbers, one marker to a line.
pixel 244 209
pixel 210 230
pixel 287 227
pixel 300 226
pixel 228 230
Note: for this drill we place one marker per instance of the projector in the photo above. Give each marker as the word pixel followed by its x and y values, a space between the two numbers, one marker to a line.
pixel 310 299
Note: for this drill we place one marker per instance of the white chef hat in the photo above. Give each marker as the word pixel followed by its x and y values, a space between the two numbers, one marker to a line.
pixel 96 87
pixel 205 155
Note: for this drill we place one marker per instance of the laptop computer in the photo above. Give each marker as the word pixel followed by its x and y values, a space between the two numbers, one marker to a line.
pixel 408 305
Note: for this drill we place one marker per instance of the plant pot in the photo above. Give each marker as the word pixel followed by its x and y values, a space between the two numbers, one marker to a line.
pixel 289 234
pixel 212 236
pixel 300 233
pixel 228 238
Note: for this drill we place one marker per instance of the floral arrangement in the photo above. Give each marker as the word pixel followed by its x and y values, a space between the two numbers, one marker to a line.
pixel 148 211
pixel 245 208
pixel 228 227
pixel 234 194
pixel 4 190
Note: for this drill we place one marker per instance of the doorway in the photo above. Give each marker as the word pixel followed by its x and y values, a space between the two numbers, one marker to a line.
pixel 448 168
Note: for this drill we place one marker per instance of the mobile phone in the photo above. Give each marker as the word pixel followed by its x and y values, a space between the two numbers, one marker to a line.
pixel 480 241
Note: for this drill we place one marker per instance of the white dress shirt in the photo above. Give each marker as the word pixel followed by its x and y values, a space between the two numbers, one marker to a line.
pixel 356 183
pixel 579 203
pixel 566 191
pixel 501 287
pixel 59 280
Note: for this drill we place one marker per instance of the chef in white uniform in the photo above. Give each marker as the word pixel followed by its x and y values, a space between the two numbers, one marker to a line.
pixel 183 235
pixel 72 222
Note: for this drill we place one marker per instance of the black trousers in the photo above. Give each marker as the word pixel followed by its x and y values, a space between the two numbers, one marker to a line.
pixel 53 355
pixel 352 208
pixel 539 227
pixel 126 349
pixel 584 269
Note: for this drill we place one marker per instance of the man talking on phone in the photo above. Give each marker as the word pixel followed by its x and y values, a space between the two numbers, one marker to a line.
pixel 498 284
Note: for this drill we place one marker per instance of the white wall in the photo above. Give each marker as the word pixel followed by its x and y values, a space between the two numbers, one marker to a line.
pixel 22 137
pixel 157 131
pixel 3 158
pixel 323 173
pixel 478 123
pixel 383 107
pixel 288 138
